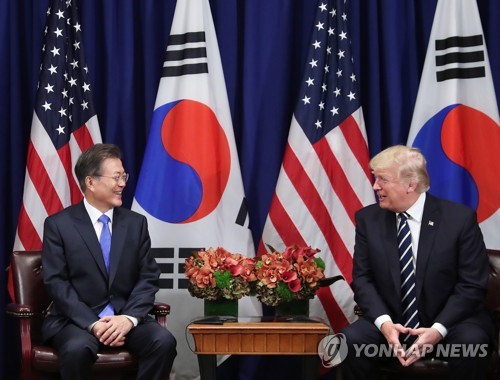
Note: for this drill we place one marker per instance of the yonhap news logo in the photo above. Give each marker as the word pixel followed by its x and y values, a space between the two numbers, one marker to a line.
pixel 332 350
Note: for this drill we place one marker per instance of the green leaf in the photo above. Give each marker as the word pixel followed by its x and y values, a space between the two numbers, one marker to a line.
pixel 284 292
pixel 222 279
pixel 319 262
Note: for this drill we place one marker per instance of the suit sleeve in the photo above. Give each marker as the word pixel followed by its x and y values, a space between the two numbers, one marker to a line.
pixel 57 281
pixel 142 296
pixel 366 294
pixel 472 275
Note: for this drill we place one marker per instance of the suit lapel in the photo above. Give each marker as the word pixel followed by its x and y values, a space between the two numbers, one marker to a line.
pixel 428 229
pixel 391 250
pixel 117 242
pixel 86 230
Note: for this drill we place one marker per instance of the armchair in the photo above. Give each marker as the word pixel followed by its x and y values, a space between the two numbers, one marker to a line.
pixel 39 361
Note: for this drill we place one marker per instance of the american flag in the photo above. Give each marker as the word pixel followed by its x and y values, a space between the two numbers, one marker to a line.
pixel 64 125
pixel 324 178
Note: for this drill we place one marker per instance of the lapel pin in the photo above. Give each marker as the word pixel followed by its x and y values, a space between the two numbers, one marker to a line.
pixel 431 223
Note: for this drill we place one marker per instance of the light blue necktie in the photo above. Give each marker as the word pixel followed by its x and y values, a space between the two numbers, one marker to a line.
pixel 408 290
pixel 105 239
pixel 105 242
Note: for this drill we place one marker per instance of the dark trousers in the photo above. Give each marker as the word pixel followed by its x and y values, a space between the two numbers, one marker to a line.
pixel 361 364
pixel 154 346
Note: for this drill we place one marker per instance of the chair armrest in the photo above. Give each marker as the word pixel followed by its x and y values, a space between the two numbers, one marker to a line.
pixel 20 311
pixel 358 311
pixel 160 311
pixel 24 314
pixel 160 308
pixel 26 311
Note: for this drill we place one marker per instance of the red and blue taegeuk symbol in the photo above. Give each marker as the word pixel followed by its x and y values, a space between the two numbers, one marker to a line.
pixel 462 147
pixel 186 165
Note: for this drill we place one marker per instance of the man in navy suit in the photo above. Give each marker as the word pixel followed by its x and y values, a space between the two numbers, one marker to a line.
pixel 96 302
pixel 451 273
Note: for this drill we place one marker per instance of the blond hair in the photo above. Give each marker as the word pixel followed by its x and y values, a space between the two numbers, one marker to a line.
pixel 410 163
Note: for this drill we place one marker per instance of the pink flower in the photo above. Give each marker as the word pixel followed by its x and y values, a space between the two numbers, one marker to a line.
pixel 215 274
pixel 288 253
pixel 230 261
pixel 290 276
pixel 294 285
pixel 236 270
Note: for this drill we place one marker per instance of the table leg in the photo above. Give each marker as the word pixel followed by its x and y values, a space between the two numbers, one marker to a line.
pixel 208 366
pixel 310 364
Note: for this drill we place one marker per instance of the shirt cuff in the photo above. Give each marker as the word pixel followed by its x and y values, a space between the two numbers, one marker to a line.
pixel 380 320
pixel 439 327
pixel 89 329
pixel 134 320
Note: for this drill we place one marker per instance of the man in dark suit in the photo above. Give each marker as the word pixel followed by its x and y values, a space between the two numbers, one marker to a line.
pixel 448 268
pixel 102 296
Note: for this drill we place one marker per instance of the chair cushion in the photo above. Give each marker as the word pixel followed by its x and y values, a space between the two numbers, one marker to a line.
pixel 45 359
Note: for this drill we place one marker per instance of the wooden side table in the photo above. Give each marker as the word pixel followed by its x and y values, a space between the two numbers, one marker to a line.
pixel 258 336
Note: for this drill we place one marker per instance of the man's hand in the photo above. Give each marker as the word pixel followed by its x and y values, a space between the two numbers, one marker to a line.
pixel 391 333
pixel 111 330
pixel 427 339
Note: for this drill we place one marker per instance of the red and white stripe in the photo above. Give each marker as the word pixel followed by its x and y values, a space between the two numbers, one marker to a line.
pixel 319 189
pixel 50 183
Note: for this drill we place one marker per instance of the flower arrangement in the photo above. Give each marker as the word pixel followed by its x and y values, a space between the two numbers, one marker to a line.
pixel 290 275
pixel 217 274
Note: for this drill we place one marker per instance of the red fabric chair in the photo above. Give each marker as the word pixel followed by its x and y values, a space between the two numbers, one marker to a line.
pixel 39 361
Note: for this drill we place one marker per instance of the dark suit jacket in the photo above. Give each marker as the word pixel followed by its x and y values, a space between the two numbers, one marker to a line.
pixel 452 264
pixel 75 275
